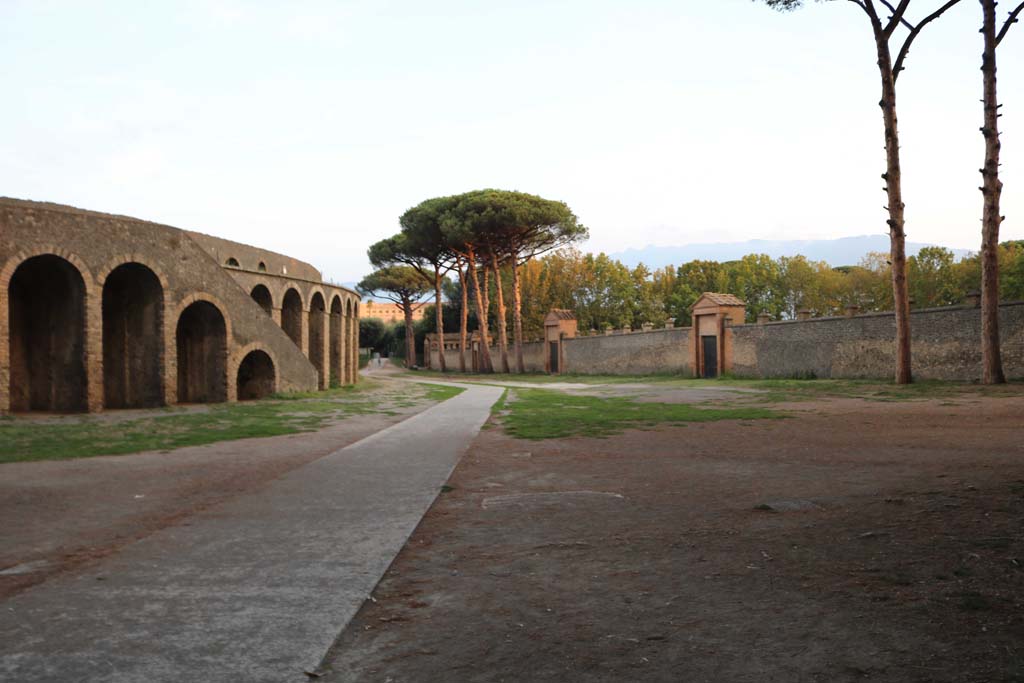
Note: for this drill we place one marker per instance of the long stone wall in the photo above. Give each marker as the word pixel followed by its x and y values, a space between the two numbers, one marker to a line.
pixel 945 345
pixel 634 353
pixel 533 358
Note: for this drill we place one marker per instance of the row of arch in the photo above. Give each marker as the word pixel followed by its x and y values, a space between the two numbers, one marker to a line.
pixel 320 325
pixel 47 342
pixel 232 262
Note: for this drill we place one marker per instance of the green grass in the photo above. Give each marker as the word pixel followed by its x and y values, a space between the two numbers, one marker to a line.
pixel 772 390
pixel 437 392
pixel 538 414
pixel 33 439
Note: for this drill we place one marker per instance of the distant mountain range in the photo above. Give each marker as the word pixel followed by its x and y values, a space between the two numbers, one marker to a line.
pixel 844 251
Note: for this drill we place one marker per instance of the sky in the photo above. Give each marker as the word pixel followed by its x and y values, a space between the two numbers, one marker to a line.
pixel 309 127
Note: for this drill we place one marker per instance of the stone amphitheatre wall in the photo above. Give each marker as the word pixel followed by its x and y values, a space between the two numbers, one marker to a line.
pixel 250 258
pixel 64 275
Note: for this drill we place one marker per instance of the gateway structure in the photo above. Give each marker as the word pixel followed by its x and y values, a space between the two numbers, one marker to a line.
pixel 100 311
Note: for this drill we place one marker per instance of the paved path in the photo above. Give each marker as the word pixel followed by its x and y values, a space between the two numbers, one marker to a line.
pixel 256 589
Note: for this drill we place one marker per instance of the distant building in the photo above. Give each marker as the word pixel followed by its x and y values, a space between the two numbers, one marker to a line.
pixel 389 312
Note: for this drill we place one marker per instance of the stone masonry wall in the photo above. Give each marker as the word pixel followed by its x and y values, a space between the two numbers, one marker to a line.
pixel 95 244
pixel 634 353
pixel 250 257
pixel 945 345
pixel 533 358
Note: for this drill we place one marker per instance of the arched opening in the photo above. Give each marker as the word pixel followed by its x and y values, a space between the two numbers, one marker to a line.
pixel 353 365
pixel 47 336
pixel 316 337
pixel 132 338
pixel 291 316
pixel 335 342
pixel 262 267
pixel 232 262
pixel 256 378
pixel 202 354
pixel 261 295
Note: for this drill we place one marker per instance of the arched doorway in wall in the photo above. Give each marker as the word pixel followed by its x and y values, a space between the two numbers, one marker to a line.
pixel 256 376
pixel 202 354
pixel 291 316
pixel 347 362
pixel 46 296
pixel 316 337
pixel 132 338
pixel 335 342
pixel 261 295
pixel 354 336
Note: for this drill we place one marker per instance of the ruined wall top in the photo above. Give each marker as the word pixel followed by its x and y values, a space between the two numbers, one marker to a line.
pixel 248 257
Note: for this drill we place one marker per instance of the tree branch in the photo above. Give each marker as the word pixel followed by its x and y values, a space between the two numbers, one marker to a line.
pixel 860 4
pixel 897 16
pixel 898 66
pixel 1010 20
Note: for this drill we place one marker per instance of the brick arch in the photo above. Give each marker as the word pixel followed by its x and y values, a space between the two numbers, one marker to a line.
pixel 239 355
pixel 268 304
pixel 313 291
pixel 47 250
pixel 111 265
pixel 93 350
pixel 336 342
pixel 170 343
pixel 316 330
pixel 291 315
pixel 134 343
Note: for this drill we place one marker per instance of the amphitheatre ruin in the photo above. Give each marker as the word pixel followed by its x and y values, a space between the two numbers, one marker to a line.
pixel 100 311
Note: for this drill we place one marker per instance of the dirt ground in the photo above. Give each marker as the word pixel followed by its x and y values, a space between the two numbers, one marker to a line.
pixel 859 540
pixel 60 514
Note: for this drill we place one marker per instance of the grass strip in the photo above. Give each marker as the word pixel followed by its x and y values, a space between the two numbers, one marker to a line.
pixel 539 414
pixel 83 436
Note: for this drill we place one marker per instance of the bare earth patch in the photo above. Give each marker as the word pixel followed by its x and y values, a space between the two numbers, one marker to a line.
pixel 857 540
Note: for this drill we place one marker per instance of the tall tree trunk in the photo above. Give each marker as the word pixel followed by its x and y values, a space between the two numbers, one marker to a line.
pixel 410 339
pixel 894 191
pixel 517 318
pixel 992 189
pixel 485 287
pixel 463 313
pixel 499 299
pixel 439 317
pixel 481 314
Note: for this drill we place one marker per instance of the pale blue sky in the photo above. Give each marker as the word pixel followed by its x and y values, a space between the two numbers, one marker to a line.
pixel 309 127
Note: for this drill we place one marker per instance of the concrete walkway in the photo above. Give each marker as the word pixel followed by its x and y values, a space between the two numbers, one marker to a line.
pixel 256 589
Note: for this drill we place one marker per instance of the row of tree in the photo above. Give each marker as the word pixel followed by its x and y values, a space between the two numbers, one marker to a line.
pixel 604 293
pixel 894 30
pixel 478 235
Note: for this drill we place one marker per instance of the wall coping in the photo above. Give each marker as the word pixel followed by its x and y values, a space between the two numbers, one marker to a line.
pixel 601 335
pixel 881 314
pixel 35 205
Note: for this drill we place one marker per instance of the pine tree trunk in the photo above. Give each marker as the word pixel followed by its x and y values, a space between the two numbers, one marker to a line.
pixel 485 327
pixel 894 191
pixel 463 314
pixel 517 318
pixel 410 340
pixel 439 313
pixel 499 300
pixel 992 189
pixel 481 314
